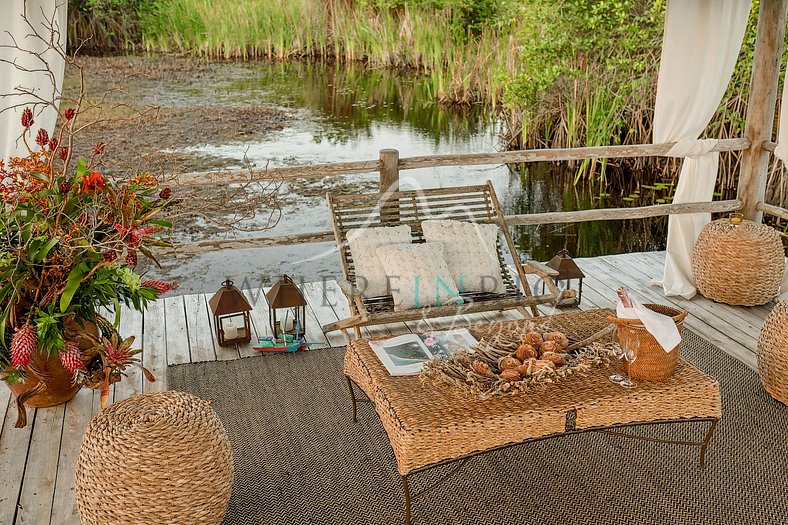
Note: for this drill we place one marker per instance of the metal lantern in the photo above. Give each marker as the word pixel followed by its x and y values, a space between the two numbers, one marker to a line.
pixel 285 295
pixel 569 277
pixel 231 315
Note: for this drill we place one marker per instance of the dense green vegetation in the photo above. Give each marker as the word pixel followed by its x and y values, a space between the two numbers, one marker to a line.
pixel 565 72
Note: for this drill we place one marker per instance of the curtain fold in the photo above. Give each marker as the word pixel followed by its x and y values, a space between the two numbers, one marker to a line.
pixel 699 51
pixel 781 152
pixel 41 14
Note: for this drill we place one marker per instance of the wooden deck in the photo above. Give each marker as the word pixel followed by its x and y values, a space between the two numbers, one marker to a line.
pixel 38 462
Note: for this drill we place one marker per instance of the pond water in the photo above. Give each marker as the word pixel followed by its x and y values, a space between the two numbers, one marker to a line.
pixel 342 113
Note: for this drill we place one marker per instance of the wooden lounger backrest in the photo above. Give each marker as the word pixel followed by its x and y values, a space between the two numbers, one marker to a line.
pixel 477 204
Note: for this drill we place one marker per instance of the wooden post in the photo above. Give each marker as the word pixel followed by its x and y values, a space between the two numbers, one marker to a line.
pixel 760 108
pixel 389 170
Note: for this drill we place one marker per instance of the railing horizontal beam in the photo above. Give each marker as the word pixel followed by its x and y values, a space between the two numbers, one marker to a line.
pixel 640 212
pixel 554 155
pixel 212 245
pixel 512 220
pixel 775 211
pixel 429 161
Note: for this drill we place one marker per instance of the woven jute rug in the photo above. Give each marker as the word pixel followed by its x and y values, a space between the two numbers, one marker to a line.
pixel 299 460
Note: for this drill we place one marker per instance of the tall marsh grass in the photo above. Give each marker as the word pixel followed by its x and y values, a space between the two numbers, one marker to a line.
pixel 463 69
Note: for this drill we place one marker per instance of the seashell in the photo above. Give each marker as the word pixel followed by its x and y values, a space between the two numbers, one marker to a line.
pixel 558 337
pixel 482 368
pixel 543 364
pixel 509 362
pixel 549 346
pixel 533 338
pixel 526 368
pixel 510 374
pixel 557 359
pixel 526 351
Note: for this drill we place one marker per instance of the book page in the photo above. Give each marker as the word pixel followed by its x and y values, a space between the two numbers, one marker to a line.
pixel 402 355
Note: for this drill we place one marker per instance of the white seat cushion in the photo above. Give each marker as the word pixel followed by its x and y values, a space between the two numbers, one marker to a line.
pixel 418 275
pixel 370 274
pixel 471 253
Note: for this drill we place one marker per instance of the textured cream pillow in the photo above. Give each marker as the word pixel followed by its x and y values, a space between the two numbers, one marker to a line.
pixel 370 275
pixel 470 251
pixel 418 275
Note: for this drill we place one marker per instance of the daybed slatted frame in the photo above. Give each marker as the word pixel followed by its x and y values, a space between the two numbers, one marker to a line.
pixel 477 204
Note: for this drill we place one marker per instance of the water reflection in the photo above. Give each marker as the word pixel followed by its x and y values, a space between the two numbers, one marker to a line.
pixel 350 113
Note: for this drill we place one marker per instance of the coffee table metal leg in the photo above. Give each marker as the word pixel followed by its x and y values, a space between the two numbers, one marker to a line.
pixel 352 398
pixel 406 491
pixel 706 441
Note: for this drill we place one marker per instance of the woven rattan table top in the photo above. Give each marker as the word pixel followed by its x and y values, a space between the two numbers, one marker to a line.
pixel 428 423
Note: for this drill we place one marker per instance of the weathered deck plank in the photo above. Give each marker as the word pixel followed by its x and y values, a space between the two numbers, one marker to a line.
pixel 39 461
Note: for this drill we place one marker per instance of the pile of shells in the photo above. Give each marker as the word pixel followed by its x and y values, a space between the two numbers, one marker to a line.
pixel 517 361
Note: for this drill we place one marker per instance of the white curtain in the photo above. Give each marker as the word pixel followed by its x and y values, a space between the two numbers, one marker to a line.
pixel 781 152
pixel 699 50
pixel 42 15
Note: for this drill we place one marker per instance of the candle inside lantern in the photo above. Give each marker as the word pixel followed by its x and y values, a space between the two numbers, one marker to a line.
pixel 230 329
pixel 287 324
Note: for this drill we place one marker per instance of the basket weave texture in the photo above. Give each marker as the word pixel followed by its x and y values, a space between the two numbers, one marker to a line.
pixel 773 353
pixel 738 265
pixel 155 458
pixel 652 363
pixel 427 423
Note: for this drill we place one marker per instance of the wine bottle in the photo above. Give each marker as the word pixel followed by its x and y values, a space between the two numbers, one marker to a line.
pixel 626 302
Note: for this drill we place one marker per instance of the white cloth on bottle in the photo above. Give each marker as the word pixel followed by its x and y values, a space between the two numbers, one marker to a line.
pixel 41 14
pixel 661 326
pixel 699 51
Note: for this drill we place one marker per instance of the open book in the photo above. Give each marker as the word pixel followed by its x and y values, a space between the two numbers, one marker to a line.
pixel 404 355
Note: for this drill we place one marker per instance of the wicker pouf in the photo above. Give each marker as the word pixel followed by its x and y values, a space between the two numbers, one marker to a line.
pixel 155 458
pixel 738 265
pixel 773 353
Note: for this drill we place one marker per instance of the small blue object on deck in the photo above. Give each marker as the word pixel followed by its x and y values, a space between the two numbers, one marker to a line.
pixel 286 343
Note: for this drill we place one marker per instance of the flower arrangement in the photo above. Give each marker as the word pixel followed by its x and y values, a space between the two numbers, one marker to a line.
pixel 69 246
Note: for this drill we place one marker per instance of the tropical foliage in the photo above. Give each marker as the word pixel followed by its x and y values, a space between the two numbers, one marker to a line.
pixel 69 247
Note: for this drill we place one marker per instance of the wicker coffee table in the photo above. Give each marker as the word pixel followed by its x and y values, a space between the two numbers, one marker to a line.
pixel 430 425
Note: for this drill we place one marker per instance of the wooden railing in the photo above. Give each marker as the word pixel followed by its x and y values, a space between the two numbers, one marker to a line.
pixel 390 164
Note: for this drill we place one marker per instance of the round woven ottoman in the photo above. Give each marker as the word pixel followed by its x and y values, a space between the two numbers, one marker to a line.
pixel 155 458
pixel 773 353
pixel 738 265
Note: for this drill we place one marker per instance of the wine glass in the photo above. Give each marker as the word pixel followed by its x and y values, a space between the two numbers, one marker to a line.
pixel 618 353
pixel 630 354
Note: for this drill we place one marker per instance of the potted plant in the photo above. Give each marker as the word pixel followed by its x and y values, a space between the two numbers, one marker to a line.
pixel 69 246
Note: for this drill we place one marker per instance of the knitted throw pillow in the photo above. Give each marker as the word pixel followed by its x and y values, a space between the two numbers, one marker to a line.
pixel 418 276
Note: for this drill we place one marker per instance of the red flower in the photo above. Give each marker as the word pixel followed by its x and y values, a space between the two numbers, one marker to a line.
pixel 131 258
pixel 94 181
pixel 110 256
pixel 160 286
pixel 71 357
pixel 23 343
pixel 133 236
pixel 42 138
pixel 69 113
pixel 27 118
pixel 53 142
pixel 165 194
pixel 63 153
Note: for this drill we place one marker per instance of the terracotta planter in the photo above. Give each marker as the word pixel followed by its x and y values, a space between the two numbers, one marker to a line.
pixel 48 383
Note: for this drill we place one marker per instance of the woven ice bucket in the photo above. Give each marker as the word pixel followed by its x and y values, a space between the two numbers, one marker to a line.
pixel 652 363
